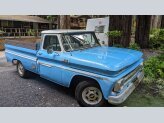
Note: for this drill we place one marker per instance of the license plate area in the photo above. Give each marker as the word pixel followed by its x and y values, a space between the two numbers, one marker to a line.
pixel 138 78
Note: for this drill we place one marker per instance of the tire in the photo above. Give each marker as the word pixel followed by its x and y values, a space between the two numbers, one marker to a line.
pixel 22 72
pixel 89 94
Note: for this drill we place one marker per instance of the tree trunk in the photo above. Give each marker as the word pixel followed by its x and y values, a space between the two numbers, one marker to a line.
pixel 64 21
pixel 121 23
pixel 114 24
pixel 162 22
pixel 155 21
pixel 126 28
pixel 142 30
pixel 58 22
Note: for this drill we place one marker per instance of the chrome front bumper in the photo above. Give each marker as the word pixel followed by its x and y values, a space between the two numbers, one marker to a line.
pixel 124 95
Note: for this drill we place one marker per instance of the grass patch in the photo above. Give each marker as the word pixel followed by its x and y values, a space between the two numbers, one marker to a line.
pixel 141 97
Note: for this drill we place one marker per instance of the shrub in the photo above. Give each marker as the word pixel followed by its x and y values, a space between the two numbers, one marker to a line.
pixel 157 39
pixel 154 67
pixel 1 32
pixel 31 32
pixel 154 86
pixel 154 74
pixel 114 34
pixel 134 46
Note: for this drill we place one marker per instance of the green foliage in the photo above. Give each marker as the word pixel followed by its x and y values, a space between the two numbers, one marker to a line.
pixel 134 46
pixel 114 34
pixel 31 32
pixel 154 86
pixel 157 39
pixel 51 17
pixel 154 74
pixel 1 32
pixel 154 67
pixel 160 83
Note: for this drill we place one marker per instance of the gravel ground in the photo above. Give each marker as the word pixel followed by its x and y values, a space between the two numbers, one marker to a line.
pixel 2 54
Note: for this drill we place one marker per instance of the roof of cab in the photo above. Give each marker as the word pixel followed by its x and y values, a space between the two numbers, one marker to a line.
pixel 59 31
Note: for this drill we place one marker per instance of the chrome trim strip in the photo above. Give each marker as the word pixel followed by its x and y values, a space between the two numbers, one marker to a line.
pixel 84 72
pixel 47 65
pixel 132 73
pixel 129 76
pixel 59 66
pixel 74 70
pixel 20 55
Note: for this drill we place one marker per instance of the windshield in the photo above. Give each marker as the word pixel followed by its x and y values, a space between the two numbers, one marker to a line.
pixel 79 41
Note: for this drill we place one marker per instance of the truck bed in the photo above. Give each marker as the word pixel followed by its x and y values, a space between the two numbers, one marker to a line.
pixel 29 43
pixel 23 50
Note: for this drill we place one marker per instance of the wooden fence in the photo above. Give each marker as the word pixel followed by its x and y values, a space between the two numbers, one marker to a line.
pixel 18 32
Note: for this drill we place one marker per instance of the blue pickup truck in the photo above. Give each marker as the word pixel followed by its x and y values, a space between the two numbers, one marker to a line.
pixel 75 59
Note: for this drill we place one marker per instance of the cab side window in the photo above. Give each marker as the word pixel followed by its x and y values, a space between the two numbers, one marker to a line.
pixel 51 41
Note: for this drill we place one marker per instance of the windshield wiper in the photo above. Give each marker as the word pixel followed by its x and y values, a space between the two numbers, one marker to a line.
pixel 82 48
pixel 95 45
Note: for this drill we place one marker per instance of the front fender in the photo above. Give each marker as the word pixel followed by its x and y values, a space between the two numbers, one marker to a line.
pixel 106 84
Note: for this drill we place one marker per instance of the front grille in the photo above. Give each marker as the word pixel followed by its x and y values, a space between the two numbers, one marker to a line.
pixel 131 74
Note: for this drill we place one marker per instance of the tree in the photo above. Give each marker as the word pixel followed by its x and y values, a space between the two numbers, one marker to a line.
pixel 121 23
pixel 142 30
pixel 155 21
pixel 52 18
pixel 64 21
pixel 162 22
pixel 58 22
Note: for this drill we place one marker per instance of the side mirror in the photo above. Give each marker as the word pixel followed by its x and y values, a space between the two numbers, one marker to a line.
pixel 50 50
pixel 103 42
pixel 37 45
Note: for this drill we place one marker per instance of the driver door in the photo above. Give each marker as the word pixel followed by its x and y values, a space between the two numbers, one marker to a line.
pixel 48 62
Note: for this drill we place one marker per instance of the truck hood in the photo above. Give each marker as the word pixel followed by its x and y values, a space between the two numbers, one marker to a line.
pixel 105 58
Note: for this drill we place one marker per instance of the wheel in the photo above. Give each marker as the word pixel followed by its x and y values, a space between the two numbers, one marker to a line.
pixel 88 94
pixel 22 72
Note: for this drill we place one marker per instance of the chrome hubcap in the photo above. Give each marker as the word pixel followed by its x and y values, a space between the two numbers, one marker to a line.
pixel 92 95
pixel 20 69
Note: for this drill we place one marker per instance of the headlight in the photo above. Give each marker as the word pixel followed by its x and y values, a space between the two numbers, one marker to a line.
pixel 118 86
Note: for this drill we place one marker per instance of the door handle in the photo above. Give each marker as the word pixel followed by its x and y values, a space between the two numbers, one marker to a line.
pixel 65 60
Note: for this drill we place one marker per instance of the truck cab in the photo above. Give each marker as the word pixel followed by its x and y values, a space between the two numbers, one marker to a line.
pixel 75 59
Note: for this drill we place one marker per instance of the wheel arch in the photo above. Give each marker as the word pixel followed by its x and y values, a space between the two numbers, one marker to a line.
pixel 105 85
pixel 15 61
pixel 75 81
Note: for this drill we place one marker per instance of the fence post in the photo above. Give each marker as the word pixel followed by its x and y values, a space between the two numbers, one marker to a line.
pixel 19 33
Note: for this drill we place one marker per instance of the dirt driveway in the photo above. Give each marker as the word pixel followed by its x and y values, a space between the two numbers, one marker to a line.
pixel 2 54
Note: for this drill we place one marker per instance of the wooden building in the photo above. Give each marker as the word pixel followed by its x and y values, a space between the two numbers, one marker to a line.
pixel 23 25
